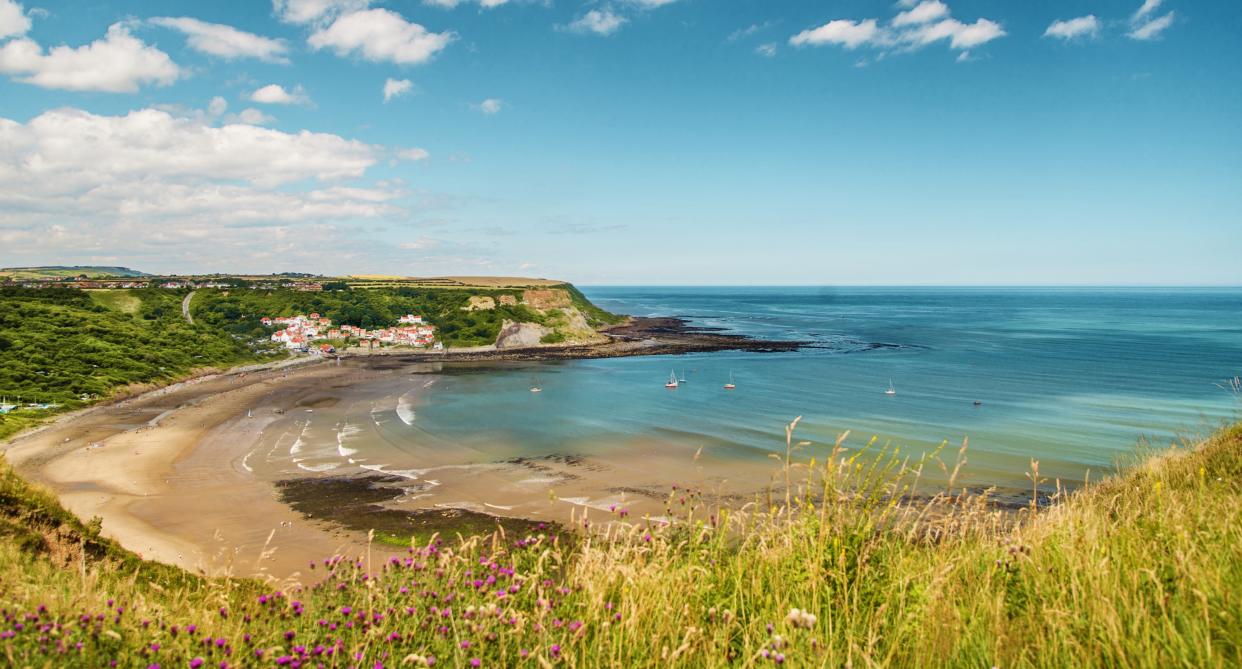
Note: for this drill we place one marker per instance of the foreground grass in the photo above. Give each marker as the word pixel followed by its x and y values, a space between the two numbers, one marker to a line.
pixel 844 570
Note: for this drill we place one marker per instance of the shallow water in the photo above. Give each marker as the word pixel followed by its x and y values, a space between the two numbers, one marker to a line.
pixel 1071 377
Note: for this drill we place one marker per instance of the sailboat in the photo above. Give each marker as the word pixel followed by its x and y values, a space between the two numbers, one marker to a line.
pixel 682 378
pixel 730 385
pixel 891 390
pixel 672 380
pixel 536 388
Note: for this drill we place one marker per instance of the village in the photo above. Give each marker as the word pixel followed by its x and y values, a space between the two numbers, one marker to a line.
pixel 300 332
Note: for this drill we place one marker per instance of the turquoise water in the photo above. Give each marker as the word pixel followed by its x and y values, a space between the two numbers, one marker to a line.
pixel 1071 377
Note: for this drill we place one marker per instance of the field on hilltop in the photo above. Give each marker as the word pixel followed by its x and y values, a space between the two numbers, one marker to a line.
pixel 63 271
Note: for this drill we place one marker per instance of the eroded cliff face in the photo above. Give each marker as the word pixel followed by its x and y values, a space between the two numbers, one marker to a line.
pixel 521 335
pixel 553 298
pixel 562 323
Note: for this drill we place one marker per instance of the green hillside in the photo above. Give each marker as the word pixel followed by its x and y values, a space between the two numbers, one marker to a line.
pixel 63 271
pixel 239 311
pixel 67 347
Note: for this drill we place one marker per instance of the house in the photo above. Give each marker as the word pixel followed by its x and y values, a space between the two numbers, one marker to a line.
pixel 411 319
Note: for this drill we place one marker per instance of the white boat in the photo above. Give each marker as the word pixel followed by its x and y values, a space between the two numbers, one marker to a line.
pixel 672 380
pixel 730 385
pixel 682 378
pixel 536 388
pixel 891 390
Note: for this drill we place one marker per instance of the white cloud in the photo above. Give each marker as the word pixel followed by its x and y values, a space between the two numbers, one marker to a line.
pixel 150 183
pixel 414 154
pixel 767 50
pixel 225 41
pixel 849 34
pixel 117 63
pixel 960 35
pixel 381 35
pixel 749 30
pixel 1083 26
pixel 311 11
pixel 598 21
pixel 1152 29
pixel 96 149
pixel 450 4
pixel 917 29
pixel 250 116
pixel 929 10
pixel 395 88
pixel 13 19
pixel 217 106
pixel 1145 10
pixel 275 94
pixel 489 106
pixel 648 4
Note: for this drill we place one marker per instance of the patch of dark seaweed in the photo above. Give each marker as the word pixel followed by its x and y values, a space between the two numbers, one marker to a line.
pixel 357 503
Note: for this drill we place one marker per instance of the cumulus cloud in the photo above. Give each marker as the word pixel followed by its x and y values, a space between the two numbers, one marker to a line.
pixel 489 106
pixel 597 21
pixel 850 34
pixel 13 19
pixel 923 23
pixel 923 12
pixel 275 94
pixel 224 41
pixel 74 182
pixel 381 35
pixel 450 4
pixel 767 50
pixel 312 11
pixel 1083 26
pixel 250 116
pixel 395 88
pixel 1153 29
pixel 415 154
pixel 1145 10
pixel 117 63
pixel 217 106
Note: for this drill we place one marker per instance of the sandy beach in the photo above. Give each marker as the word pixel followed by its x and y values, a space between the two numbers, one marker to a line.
pixel 161 471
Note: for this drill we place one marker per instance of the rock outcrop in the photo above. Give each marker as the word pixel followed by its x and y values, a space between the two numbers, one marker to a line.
pixel 520 335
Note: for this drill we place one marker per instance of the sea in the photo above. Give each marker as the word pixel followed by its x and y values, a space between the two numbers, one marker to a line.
pixel 1081 381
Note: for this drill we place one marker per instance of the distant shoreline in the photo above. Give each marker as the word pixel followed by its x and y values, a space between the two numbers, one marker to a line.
pixel 636 336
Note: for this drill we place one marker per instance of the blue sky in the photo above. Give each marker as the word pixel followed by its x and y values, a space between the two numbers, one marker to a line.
pixel 632 141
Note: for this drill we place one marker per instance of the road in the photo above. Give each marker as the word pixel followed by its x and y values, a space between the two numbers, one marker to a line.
pixel 185 307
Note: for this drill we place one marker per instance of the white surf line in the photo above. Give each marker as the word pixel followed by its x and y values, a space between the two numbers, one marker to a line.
pixel 344 433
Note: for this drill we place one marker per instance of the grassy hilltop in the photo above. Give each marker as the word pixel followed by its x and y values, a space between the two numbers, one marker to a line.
pixel 1142 570
pixel 63 271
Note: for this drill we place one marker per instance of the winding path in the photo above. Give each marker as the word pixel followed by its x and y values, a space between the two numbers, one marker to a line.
pixel 185 307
